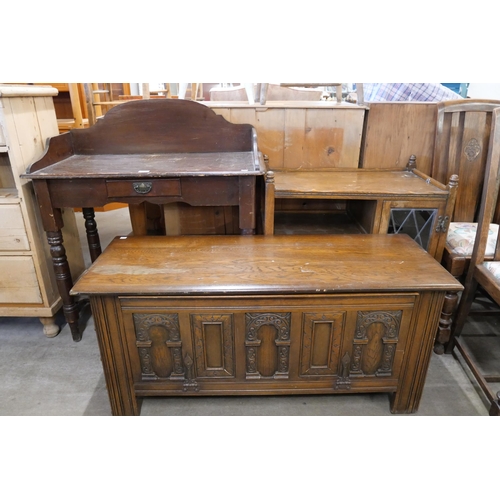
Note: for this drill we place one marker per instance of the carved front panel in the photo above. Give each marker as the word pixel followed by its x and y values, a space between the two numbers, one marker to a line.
pixel 159 346
pixel 213 340
pixel 374 344
pixel 267 343
pixel 321 337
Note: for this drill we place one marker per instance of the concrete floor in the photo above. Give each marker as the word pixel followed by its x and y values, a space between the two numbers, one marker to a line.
pixel 58 377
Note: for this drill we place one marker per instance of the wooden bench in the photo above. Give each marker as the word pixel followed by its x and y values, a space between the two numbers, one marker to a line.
pixel 377 201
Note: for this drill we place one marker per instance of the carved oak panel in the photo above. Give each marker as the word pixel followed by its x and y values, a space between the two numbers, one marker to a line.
pixel 159 346
pixel 321 337
pixel 374 343
pixel 213 340
pixel 267 344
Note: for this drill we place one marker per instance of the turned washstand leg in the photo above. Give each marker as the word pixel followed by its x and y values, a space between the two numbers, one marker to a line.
pixel 64 282
pixel 52 223
pixel 445 321
pixel 92 233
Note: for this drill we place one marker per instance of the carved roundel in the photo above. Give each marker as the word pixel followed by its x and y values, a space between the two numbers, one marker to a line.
pixel 472 149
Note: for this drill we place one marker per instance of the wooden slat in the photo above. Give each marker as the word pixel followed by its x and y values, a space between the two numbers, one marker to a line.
pixel 76 105
pixel 27 90
pixel 395 131
pixel 475 133
pixel 302 135
pixel 269 125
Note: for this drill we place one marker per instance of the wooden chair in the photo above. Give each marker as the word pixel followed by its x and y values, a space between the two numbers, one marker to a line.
pixel 461 147
pixel 482 273
pixel 196 91
pixel 101 97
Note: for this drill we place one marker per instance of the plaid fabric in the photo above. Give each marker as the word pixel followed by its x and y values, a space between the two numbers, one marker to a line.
pixel 408 92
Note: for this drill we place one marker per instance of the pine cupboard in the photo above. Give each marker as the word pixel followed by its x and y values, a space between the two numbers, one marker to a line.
pixel 27 282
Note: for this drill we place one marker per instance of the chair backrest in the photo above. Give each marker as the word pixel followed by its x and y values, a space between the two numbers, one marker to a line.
pixel 489 195
pixel 461 147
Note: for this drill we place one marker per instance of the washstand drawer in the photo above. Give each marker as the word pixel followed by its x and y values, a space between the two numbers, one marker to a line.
pixel 144 187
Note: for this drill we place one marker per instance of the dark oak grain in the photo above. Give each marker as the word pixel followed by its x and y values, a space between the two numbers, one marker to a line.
pixel 232 315
pixel 264 264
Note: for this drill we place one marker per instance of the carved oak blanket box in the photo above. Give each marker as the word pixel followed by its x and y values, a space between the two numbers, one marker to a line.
pixel 239 315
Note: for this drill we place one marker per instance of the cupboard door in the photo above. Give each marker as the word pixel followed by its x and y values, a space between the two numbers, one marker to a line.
pixel 423 221
pixel 374 344
pixel 158 346
pixel 267 345
pixel 165 345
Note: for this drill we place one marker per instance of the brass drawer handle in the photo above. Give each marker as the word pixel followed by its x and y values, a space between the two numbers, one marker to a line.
pixel 142 187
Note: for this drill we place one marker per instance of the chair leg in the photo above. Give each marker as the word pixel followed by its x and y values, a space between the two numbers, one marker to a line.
pixel 495 407
pixel 462 314
pixel 445 322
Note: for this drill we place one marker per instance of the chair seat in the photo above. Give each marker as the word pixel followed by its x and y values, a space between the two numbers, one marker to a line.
pixel 493 266
pixel 461 236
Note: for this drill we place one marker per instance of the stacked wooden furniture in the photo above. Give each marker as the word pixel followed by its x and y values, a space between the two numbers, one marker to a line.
pixel 27 282
pixel 320 163
pixel 302 136
pixel 238 314
pixel 100 97
pixel 162 151
pixel 258 315
pixel 69 104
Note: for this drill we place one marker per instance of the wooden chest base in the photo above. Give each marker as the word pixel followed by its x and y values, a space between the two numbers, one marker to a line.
pixel 166 346
pixel 236 315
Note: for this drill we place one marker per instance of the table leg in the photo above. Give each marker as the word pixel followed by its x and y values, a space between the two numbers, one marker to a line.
pixel 247 205
pixel 92 233
pixel 269 203
pixel 495 407
pixel 114 356
pixel 64 282
pixel 445 321
pixel 138 218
